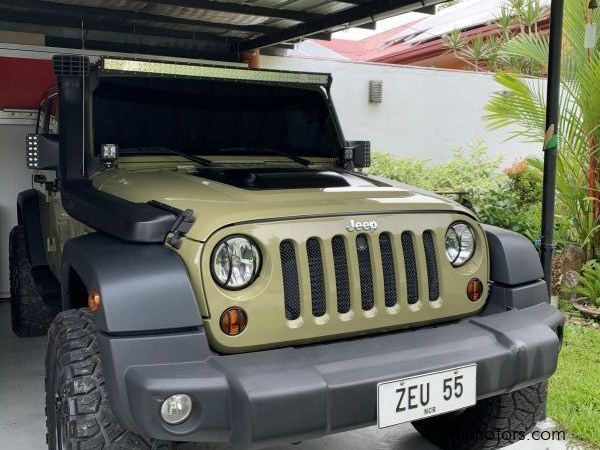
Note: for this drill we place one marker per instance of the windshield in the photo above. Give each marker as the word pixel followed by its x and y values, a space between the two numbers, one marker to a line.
pixel 205 117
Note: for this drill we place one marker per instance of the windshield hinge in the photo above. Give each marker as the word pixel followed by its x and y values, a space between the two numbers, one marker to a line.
pixel 182 225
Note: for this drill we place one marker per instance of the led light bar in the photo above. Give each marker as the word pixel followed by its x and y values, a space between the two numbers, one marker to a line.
pixel 32 151
pixel 41 151
pixel 215 72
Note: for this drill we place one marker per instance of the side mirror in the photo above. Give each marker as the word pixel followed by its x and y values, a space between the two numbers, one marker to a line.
pixel 41 151
pixel 358 153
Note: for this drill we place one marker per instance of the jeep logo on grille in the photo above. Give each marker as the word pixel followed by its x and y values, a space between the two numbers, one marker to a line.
pixel 356 225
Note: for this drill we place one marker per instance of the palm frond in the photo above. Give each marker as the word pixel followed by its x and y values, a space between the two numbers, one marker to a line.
pixel 530 47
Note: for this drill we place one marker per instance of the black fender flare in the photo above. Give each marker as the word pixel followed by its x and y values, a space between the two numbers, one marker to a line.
pixel 144 288
pixel 515 272
pixel 28 215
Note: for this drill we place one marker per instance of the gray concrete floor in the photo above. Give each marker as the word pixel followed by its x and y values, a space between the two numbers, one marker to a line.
pixel 22 423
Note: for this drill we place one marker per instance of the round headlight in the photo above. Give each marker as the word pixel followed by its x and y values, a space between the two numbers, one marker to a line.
pixel 460 243
pixel 235 262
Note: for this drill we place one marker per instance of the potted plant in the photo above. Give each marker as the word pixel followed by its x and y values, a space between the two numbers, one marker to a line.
pixel 588 290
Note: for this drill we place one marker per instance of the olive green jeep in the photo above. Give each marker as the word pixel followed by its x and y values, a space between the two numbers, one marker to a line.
pixel 212 264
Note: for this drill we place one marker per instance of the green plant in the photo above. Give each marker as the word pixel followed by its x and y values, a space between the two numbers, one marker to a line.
pixel 406 170
pixel 589 282
pixel 515 18
pixel 574 390
pixel 522 104
pixel 526 182
pixel 497 197
pixel 503 207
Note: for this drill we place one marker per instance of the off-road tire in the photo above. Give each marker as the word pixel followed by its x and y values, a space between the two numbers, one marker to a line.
pixel 492 423
pixel 78 411
pixel 30 315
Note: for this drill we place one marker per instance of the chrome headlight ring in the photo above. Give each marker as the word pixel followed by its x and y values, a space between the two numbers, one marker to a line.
pixel 235 262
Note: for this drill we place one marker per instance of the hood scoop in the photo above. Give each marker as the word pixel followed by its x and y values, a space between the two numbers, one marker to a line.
pixel 282 178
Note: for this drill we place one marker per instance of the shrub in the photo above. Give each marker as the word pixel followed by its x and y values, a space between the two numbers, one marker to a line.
pixel 526 182
pixel 406 170
pixel 508 199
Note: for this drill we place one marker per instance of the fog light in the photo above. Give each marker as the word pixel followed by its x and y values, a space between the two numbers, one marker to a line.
pixel 474 289
pixel 176 409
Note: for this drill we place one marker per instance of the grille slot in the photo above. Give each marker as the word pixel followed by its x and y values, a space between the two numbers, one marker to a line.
pixel 389 271
pixel 342 282
pixel 410 263
pixel 317 279
pixel 291 285
pixel 432 270
pixel 365 272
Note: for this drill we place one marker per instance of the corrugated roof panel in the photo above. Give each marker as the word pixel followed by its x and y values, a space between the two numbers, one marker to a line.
pixel 205 15
pixel 282 23
pixel 330 7
pixel 188 27
pixel 275 3
pixel 179 12
pixel 124 5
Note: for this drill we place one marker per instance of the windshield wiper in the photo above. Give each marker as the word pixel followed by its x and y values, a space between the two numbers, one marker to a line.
pixel 198 159
pixel 298 159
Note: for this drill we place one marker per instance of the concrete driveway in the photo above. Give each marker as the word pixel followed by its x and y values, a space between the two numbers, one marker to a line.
pixel 22 422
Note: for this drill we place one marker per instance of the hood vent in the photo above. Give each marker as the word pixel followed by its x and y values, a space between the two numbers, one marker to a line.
pixel 282 178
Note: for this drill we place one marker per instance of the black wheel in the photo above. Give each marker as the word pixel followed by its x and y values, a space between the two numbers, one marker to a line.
pixel 78 411
pixel 30 315
pixel 492 423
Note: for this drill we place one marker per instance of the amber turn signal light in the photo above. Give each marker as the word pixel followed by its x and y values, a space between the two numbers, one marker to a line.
pixel 474 289
pixel 233 321
pixel 94 301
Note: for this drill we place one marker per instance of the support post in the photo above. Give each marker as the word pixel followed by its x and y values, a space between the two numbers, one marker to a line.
pixel 551 139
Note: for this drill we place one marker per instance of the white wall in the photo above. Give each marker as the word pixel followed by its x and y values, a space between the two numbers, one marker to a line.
pixel 14 178
pixel 425 112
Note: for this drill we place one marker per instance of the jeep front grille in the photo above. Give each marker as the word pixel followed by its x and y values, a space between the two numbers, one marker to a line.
pixel 321 281
pixel 358 250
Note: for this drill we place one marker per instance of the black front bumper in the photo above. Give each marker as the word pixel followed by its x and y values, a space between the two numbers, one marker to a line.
pixel 291 394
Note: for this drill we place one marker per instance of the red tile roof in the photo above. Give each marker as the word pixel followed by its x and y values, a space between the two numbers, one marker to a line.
pixel 366 49
pixel 374 48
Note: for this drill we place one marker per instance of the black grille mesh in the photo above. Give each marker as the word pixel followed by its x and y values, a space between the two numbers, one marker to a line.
pixel 342 282
pixel 317 280
pixel 291 286
pixel 431 261
pixel 389 271
pixel 412 283
pixel 365 272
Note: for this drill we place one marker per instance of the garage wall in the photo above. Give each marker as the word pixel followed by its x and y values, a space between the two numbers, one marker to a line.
pixel 14 177
pixel 425 112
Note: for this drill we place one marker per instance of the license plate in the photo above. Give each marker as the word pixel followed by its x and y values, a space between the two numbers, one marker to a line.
pixel 425 395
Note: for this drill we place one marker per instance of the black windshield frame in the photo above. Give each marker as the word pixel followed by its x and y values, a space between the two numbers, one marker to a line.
pixel 129 111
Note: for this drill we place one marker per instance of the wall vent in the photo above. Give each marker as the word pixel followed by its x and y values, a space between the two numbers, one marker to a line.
pixel 375 91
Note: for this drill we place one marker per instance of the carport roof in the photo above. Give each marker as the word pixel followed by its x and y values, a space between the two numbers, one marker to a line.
pixel 194 28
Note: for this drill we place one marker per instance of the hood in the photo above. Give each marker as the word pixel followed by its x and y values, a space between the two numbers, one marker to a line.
pixel 221 197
